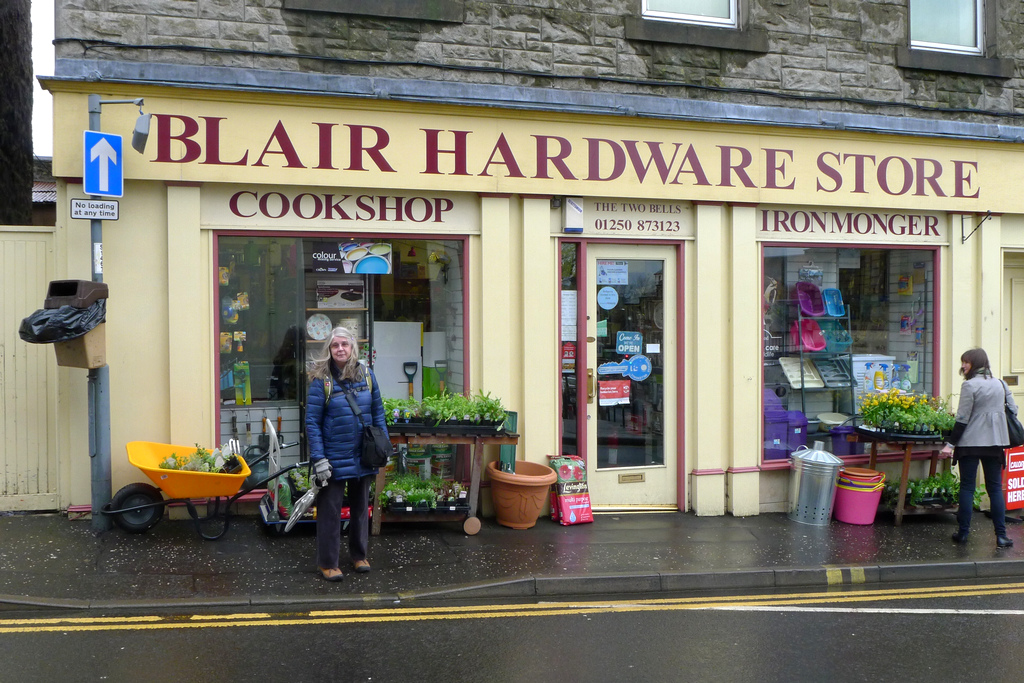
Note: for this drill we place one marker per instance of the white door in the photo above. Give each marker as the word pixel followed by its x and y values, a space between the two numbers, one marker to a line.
pixel 631 414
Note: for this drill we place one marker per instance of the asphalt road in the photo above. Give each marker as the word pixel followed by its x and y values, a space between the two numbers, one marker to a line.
pixel 926 632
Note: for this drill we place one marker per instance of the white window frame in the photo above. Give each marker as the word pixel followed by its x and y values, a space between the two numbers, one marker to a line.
pixel 979 38
pixel 732 21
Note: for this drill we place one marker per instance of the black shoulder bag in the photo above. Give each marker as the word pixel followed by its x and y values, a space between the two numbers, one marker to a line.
pixel 376 444
pixel 1013 425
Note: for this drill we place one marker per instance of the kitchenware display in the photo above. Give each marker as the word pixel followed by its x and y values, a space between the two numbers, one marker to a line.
pixel 318 326
pixel 807 333
pixel 833 302
pixel 810 380
pixel 835 372
pixel 837 338
pixel 808 296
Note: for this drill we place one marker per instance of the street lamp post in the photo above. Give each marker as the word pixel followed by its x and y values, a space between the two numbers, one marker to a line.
pixel 99 378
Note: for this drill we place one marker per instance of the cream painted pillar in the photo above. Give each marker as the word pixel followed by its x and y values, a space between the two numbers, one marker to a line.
pixel 710 368
pixel 989 303
pixel 189 277
pixel 539 334
pixel 495 289
pixel 962 286
pixel 743 474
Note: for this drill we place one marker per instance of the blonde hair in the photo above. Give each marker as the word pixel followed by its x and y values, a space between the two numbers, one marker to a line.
pixel 320 365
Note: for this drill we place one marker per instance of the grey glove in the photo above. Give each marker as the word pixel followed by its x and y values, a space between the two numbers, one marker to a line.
pixel 322 472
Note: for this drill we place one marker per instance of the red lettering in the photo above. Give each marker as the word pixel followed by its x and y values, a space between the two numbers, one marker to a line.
pixel 265 205
pixel 594 159
pixel 325 137
pixel 441 206
pixel 557 160
pixel 832 173
pixel 164 137
pixel 233 204
pixel 433 150
pixel 691 159
pixel 962 179
pixel 318 206
pixel 426 209
pixel 656 157
pixel 213 144
pixel 508 160
pixel 374 151
pixel 931 225
pixel 333 206
pixel 923 176
pixel 883 175
pixel 858 170
pixel 285 148
pixel 776 168
pixel 739 168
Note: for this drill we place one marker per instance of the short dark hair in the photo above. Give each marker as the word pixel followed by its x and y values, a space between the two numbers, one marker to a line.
pixel 979 363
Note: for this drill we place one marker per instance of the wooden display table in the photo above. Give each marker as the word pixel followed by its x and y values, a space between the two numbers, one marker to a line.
pixel 906 443
pixel 420 435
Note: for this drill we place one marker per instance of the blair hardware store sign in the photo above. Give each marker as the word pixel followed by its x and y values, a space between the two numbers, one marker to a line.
pixel 527 156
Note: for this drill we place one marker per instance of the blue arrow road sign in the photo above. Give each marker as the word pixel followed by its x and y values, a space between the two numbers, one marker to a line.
pixel 104 166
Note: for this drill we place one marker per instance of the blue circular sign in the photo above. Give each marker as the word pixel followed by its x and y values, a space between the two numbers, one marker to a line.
pixel 607 298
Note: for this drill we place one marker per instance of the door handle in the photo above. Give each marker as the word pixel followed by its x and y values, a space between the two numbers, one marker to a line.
pixel 590 385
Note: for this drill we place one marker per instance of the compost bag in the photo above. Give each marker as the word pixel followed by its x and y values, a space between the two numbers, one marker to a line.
pixel 50 325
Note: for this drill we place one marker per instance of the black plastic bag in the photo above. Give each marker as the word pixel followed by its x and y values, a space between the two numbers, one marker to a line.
pixel 49 325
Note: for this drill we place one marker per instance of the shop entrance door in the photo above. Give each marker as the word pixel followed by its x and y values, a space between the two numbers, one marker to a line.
pixel 631 376
pixel 1012 363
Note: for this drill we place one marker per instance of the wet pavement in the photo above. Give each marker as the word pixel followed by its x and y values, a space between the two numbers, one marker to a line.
pixel 48 560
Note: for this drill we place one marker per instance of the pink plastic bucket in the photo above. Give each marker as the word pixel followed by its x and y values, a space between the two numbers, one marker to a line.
pixel 857 506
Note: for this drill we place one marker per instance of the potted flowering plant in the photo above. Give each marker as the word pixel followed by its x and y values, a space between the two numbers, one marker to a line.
pixel 895 411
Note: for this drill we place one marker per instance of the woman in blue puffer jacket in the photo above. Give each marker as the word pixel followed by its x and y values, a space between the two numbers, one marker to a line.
pixel 335 436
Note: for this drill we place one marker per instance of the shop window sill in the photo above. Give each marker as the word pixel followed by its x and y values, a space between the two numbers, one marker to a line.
pixel 928 60
pixel 453 11
pixel 744 40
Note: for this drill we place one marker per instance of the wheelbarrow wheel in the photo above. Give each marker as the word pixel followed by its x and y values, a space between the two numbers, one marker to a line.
pixel 134 495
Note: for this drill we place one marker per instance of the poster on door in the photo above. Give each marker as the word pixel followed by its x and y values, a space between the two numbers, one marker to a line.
pixel 612 272
pixel 613 392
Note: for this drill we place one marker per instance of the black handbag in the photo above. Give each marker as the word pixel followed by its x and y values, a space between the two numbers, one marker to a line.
pixel 377 446
pixel 1013 425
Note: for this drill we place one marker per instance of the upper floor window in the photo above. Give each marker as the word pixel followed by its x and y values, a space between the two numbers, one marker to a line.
pixel 706 12
pixel 947 25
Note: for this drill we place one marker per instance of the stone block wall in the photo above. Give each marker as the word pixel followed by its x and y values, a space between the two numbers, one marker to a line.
pixel 839 55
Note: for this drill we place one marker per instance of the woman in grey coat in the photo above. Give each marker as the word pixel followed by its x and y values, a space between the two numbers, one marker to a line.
pixel 980 436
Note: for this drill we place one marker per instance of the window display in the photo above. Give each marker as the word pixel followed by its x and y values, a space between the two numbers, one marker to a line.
pixel 279 297
pixel 839 324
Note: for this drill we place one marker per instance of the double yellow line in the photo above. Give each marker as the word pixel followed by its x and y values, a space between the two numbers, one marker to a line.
pixel 454 612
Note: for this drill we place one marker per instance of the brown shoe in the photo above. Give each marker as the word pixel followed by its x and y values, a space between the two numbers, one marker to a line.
pixel 331 574
pixel 361 566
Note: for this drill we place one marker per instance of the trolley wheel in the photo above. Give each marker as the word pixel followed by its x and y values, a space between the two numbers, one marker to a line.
pixel 273 530
pixel 471 526
pixel 132 495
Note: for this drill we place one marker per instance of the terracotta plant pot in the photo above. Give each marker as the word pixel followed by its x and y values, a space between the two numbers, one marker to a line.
pixel 519 498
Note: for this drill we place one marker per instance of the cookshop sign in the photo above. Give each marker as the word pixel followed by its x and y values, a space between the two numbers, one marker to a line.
pixel 254 143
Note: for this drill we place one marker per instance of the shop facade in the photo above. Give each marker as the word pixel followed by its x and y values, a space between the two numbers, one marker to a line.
pixel 631 288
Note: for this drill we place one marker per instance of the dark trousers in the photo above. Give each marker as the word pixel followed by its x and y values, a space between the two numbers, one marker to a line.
pixel 328 521
pixel 993 468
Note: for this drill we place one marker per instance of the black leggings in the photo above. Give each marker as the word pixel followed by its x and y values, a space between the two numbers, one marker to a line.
pixel 993 467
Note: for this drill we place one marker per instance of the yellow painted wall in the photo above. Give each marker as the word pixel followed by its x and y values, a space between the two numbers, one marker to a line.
pixel 159 264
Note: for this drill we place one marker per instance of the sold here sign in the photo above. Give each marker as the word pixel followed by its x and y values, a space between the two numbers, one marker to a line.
pixel 1014 478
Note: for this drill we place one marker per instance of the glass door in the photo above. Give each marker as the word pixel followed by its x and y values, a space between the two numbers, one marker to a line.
pixel 631 375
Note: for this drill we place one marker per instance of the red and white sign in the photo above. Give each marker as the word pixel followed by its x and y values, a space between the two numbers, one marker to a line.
pixel 613 392
pixel 1013 478
pixel 568 355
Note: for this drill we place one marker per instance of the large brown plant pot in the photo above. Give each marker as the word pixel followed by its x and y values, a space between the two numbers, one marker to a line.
pixel 519 498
